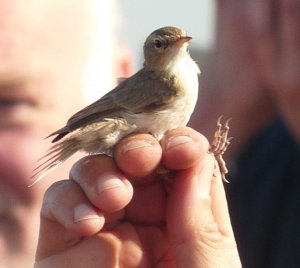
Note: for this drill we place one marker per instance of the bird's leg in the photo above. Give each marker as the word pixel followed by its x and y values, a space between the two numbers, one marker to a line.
pixel 219 145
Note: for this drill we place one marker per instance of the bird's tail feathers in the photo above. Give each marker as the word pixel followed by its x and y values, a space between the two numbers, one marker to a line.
pixel 57 154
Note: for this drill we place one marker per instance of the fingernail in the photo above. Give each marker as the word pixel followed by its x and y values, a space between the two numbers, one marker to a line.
pixel 178 140
pixel 109 181
pixel 85 212
pixel 135 144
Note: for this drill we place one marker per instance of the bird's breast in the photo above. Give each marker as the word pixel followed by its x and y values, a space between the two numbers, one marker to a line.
pixel 186 73
pixel 178 112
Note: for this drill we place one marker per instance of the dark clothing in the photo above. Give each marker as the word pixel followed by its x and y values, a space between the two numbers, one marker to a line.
pixel 264 200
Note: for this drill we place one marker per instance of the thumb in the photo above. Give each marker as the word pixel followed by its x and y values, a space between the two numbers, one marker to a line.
pixel 189 202
pixel 200 230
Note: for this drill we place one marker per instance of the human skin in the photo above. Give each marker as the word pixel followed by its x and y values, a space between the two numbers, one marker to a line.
pixel 276 40
pixel 120 213
pixel 42 77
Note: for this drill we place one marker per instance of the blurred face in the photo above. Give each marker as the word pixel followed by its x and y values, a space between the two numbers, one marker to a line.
pixel 46 48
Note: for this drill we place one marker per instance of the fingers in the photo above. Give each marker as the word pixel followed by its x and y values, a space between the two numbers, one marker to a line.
pixel 66 216
pixel 274 27
pixel 99 191
pixel 64 202
pixel 260 24
pixel 95 195
pixel 190 201
pixel 182 148
pixel 197 207
pixel 204 239
pixel 196 201
pixel 102 189
pixel 103 183
pixel 139 155
pixel 219 205
pixel 289 37
pixel 289 27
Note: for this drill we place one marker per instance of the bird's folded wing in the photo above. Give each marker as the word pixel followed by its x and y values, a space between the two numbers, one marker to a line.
pixel 146 91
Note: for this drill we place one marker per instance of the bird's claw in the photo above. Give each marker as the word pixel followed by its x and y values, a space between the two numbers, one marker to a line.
pixel 220 144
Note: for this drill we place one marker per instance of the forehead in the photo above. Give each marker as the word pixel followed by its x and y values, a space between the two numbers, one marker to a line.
pixel 55 40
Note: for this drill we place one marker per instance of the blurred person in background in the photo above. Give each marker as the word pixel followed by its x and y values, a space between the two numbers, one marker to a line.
pixel 55 57
pixel 254 77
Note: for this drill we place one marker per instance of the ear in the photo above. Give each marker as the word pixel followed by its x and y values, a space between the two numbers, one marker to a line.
pixel 123 62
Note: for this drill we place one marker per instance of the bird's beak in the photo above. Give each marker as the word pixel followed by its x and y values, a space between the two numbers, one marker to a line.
pixel 182 40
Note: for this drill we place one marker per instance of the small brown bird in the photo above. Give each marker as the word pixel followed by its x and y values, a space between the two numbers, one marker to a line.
pixel 159 97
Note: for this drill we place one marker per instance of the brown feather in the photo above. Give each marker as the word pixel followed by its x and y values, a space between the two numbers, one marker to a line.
pixel 117 101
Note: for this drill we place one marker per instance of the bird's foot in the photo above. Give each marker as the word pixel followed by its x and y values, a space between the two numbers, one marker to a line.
pixel 220 144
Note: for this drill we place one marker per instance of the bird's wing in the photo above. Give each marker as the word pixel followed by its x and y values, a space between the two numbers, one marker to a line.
pixel 148 91
pixel 145 91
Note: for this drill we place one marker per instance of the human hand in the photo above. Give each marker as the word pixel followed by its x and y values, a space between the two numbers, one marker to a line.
pixel 275 39
pixel 120 213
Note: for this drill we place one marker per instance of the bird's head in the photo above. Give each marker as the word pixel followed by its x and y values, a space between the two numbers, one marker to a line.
pixel 164 46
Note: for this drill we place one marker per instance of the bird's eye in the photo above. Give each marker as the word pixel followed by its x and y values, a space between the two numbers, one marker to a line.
pixel 158 44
